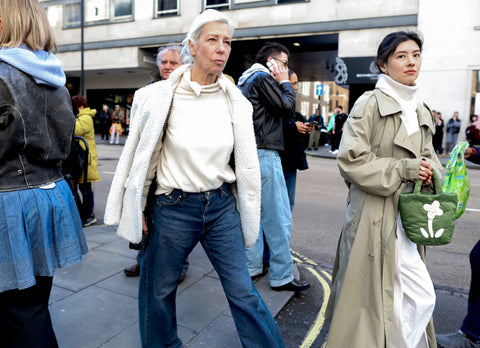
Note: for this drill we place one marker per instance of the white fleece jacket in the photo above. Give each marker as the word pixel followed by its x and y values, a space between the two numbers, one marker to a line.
pixel 149 111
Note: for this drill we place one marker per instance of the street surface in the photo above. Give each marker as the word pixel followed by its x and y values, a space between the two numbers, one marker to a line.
pixel 317 221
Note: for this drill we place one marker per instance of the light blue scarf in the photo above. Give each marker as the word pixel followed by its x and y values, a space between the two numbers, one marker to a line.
pixel 43 66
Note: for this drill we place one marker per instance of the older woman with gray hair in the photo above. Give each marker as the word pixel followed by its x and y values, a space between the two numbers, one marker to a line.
pixel 193 135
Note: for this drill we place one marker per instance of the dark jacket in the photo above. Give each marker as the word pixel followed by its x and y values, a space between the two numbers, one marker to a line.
pixel 272 103
pixel 36 129
pixel 105 118
pixel 294 157
pixel 340 121
pixel 438 136
pixel 319 119
pixel 475 158
pixel 453 126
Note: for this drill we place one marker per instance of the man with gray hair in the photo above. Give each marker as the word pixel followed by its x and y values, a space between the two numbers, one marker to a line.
pixel 168 59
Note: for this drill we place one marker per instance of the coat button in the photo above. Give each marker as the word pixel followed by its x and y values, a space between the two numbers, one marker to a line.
pixel 19 172
pixel 371 256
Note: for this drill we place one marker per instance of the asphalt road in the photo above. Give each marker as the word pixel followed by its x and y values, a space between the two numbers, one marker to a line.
pixel 317 221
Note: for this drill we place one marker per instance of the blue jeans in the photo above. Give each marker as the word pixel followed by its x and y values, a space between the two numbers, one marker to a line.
pixel 291 182
pixel 181 220
pixel 471 323
pixel 276 222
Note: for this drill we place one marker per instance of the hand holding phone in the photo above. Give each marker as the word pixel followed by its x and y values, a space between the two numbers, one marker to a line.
pixel 272 64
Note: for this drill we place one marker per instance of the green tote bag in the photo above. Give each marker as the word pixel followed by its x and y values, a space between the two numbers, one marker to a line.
pixel 428 218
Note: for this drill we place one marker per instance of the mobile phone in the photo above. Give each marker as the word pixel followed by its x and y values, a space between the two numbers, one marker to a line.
pixel 270 65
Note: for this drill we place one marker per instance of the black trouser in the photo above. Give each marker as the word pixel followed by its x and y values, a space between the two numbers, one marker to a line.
pixel 24 317
pixel 105 131
pixel 88 200
pixel 336 138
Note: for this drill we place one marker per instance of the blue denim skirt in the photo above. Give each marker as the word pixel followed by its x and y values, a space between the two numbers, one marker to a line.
pixel 40 231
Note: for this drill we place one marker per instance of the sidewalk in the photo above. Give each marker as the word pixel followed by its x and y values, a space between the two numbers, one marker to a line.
pixel 93 304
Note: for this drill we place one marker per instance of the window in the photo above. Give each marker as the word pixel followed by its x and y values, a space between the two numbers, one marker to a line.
pixel 71 15
pixel 217 4
pixel 305 108
pixel 122 8
pixel 305 88
pixel 98 11
pixel 166 7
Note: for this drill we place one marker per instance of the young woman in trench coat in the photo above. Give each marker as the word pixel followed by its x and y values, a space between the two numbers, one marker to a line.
pixel 382 294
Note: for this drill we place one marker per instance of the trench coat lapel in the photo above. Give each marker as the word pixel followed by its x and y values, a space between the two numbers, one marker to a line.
pixel 388 107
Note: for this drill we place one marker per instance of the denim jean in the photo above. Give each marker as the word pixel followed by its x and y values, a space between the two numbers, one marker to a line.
pixel 291 182
pixel 181 220
pixel 471 323
pixel 276 222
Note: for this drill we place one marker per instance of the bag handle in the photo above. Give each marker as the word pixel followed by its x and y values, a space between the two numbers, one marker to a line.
pixel 457 155
pixel 437 183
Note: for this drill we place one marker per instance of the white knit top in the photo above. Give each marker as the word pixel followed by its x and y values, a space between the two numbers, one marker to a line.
pixel 405 96
pixel 199 140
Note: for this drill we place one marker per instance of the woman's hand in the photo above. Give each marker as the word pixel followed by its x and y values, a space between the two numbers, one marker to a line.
pixel 144 225
pixel 468 152
pixel 425 173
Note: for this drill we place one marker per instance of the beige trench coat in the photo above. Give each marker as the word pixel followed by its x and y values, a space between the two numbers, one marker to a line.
pixel 378 162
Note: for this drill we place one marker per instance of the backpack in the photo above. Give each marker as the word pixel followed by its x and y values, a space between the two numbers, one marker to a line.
pixel 73 166
pixel 77 161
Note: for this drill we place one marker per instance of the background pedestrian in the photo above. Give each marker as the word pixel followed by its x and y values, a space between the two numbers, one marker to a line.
pixel 84 128
pixel 168 59
pixel 272 105
pixel 105 122
pixel 453 128
pixel 295 136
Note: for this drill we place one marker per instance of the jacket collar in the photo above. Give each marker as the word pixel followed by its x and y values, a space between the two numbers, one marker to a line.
pixel 388 106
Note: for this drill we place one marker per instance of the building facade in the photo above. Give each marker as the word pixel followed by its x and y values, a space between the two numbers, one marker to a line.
pixel 332 43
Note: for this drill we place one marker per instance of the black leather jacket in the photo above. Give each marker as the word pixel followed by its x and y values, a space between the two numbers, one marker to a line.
pixel 36 129
pixel 272 103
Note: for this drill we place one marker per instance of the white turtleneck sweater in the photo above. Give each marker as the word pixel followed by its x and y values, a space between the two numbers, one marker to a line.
pixel 405 96
pixel 199 141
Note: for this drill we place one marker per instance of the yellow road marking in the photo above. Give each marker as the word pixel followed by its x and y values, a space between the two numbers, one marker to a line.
pixel 302 259
pixel 320 320
pixel 317 326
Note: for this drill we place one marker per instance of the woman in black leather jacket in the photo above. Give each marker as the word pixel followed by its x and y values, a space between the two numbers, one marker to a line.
pixel 40 227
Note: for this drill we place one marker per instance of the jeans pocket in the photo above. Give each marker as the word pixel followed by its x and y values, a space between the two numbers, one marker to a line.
pixel 172 198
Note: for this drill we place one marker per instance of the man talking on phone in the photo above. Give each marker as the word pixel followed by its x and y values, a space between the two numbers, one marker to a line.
pixel 266 84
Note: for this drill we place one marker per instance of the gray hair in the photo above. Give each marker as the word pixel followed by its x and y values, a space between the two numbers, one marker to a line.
pixel 207 16
pixel 162 50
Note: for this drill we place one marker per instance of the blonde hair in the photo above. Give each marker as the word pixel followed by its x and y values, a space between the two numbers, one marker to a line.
pixel 25 22
pixel 207 16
